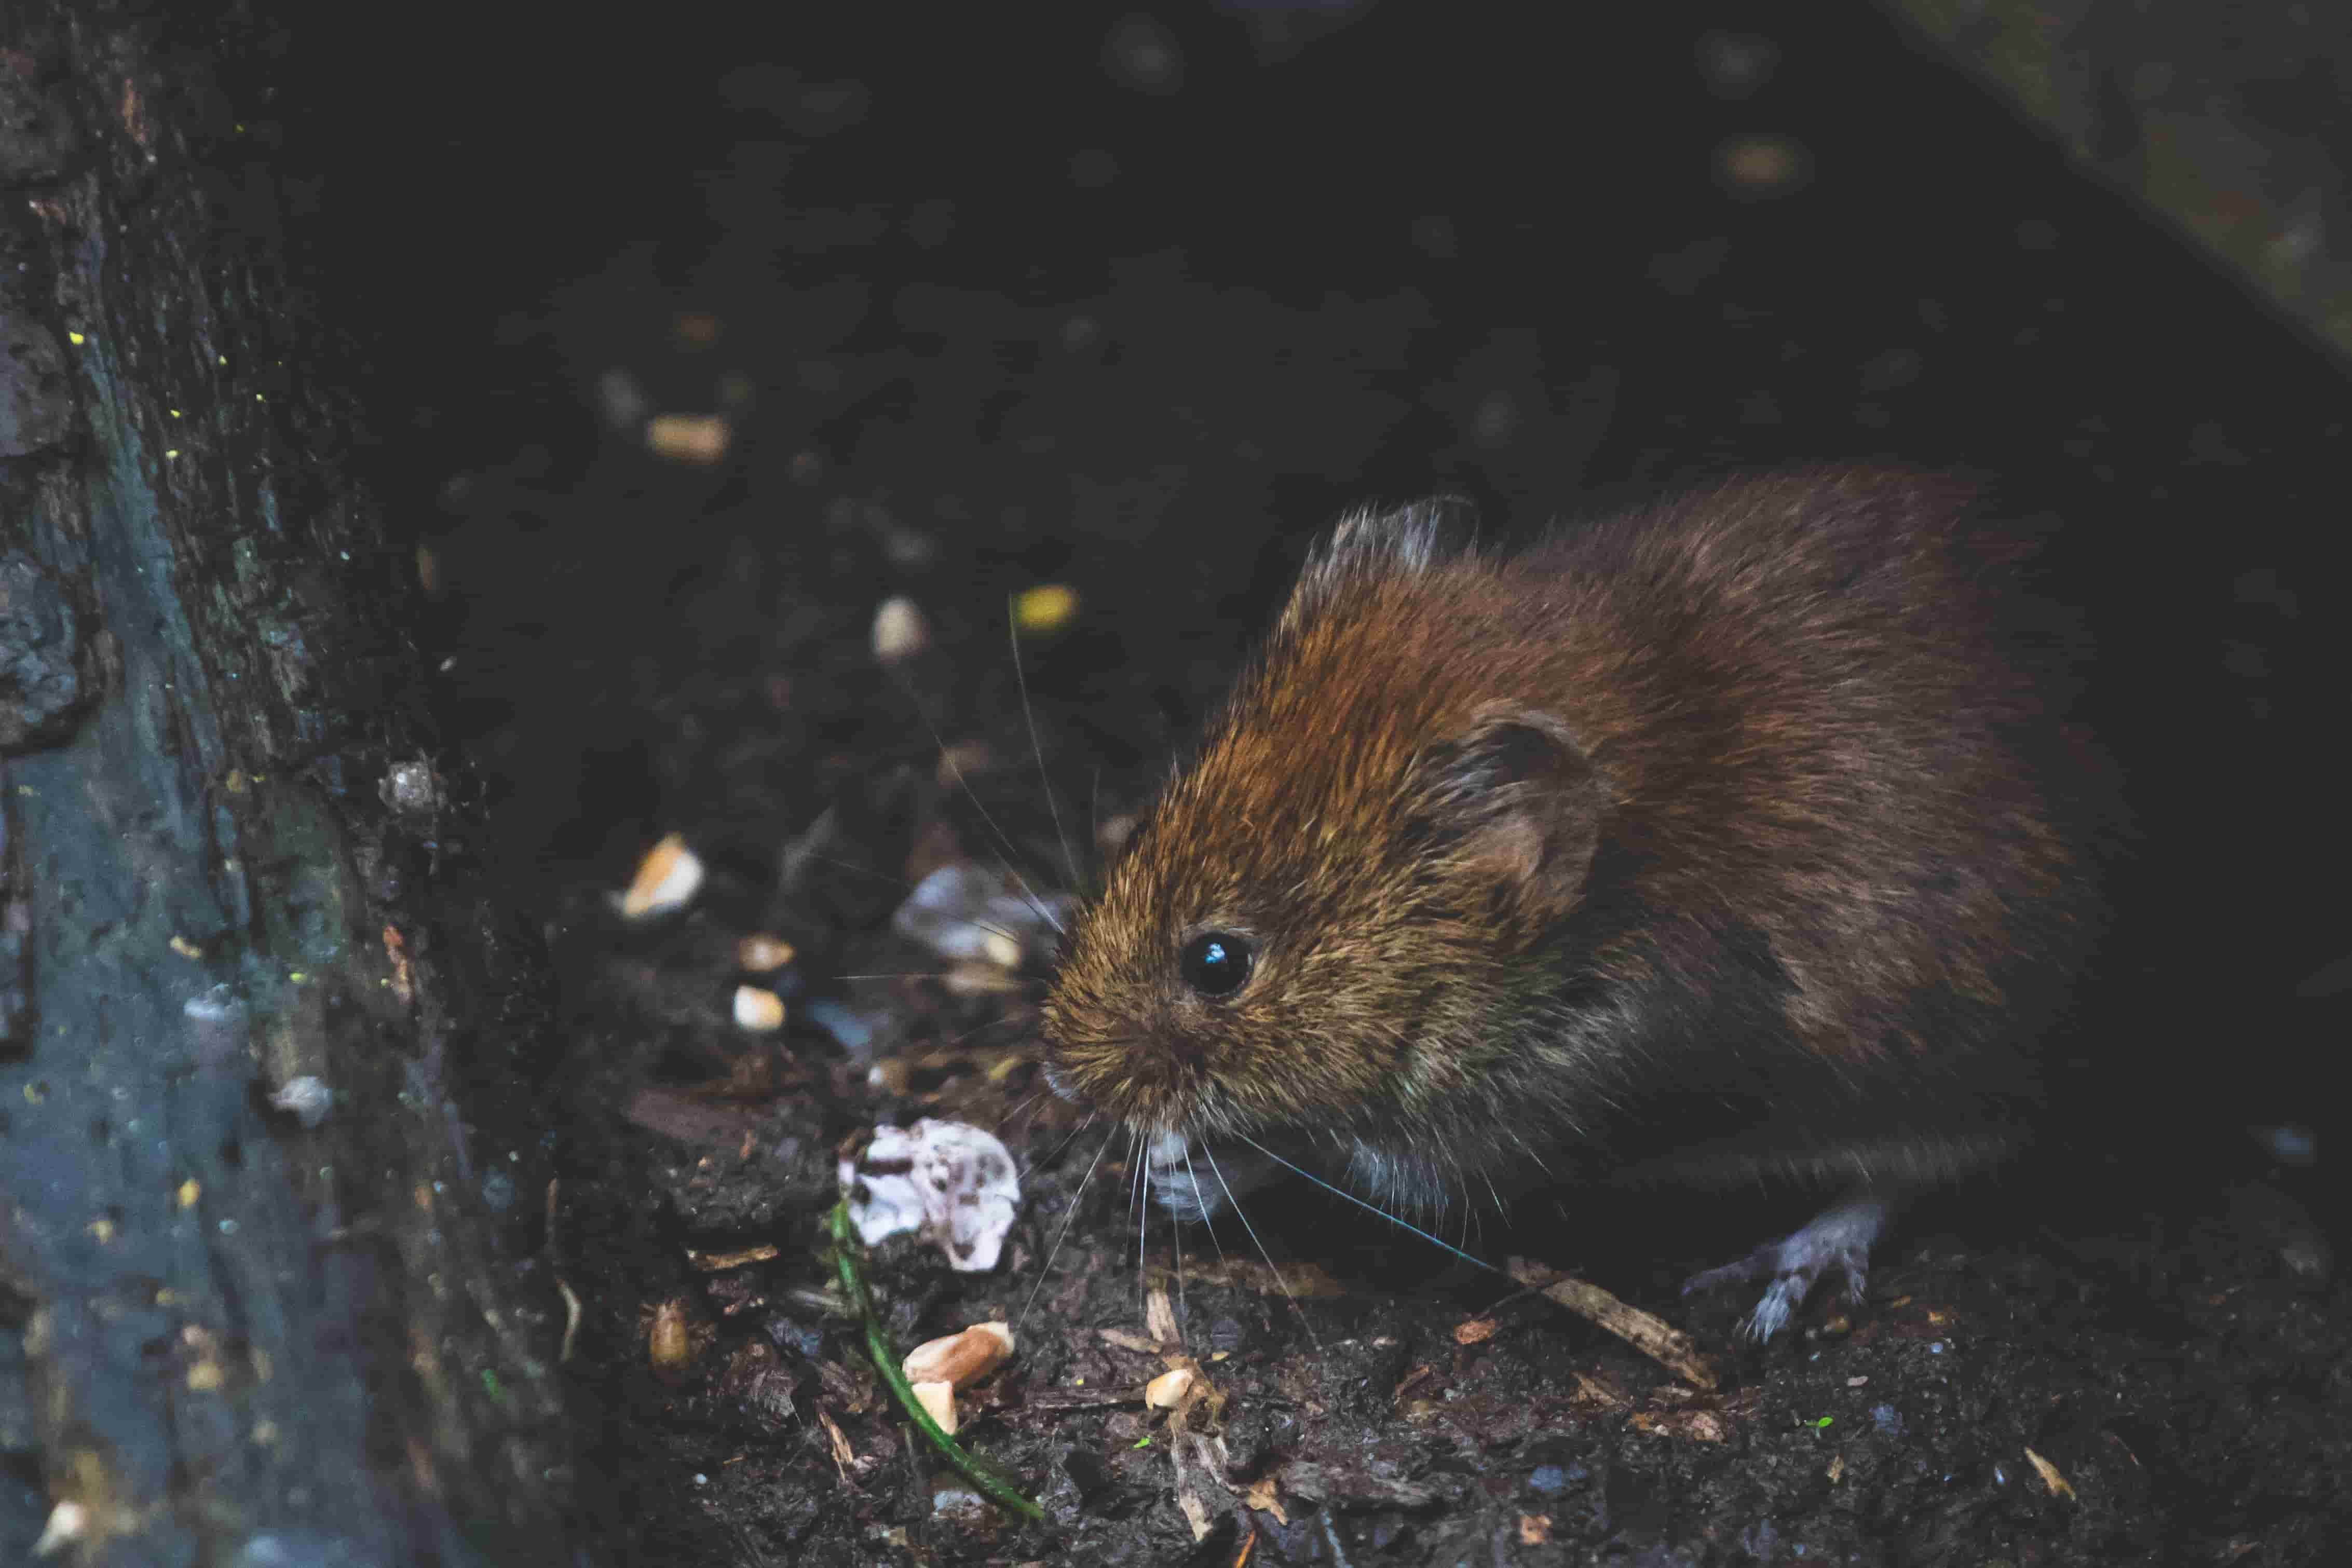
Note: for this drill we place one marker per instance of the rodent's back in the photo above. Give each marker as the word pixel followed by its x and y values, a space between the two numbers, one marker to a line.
pixel 1744 801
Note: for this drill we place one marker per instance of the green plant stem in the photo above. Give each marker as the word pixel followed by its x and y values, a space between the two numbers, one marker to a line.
pixel 886 1362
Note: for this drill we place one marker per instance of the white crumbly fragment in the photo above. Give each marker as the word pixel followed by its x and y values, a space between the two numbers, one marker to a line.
pixel 966 914
pixel 954 1185
pixel 69 1523
pixel 900 629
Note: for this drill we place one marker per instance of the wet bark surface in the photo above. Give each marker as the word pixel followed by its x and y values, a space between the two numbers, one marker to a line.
pixel 728 344
pixel 262 1307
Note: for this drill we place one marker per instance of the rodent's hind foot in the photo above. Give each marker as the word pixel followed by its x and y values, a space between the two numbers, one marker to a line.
pixel 1842 1234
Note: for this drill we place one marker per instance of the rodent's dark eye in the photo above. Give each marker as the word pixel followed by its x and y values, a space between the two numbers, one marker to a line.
pixel 1215 963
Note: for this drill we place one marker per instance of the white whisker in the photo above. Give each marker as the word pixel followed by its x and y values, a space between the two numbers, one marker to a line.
pixel 1076 1198
pixel 1037 752
pixel 1003 840
pixel 1288 1294
pixel 1369 1208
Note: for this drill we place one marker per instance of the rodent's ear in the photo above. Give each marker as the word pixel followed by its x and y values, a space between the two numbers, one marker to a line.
pixel 1516 794
pixel 1375 542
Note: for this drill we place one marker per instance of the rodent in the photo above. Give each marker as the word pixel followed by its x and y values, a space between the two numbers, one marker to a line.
pixel 1738 835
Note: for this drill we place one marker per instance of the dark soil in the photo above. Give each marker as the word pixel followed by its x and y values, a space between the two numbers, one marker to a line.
pixel 1134 307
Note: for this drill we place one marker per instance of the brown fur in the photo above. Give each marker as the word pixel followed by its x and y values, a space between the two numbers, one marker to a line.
pixel 1743 802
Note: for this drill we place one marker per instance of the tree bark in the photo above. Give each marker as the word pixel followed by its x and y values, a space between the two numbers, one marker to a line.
pixel 276 1304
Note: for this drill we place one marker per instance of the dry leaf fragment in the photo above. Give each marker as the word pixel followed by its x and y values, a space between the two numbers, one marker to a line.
pixel 2057 1484
pixel 1475 1330
pixel 718 1263
pixel 843 1456
pixel 1263 1497
pixel 404 968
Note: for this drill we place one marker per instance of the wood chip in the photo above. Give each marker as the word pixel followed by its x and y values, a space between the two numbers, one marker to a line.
pixel 717 1262
pixel 1046 608
pixel 758 1010
pixel 687 437
pixel 669 1344
pixel 939 1399
pixel 761 954
pixel 1082 1398
pixel 669 877
pixel 1652 1336
pixel 959 1359
pixel 2058 1484
pixel 1167 1391
pixel 1160 1317
pixel 843 1456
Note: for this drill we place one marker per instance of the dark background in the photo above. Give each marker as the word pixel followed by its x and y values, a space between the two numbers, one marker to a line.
pixel 1138 304
pixel 995 298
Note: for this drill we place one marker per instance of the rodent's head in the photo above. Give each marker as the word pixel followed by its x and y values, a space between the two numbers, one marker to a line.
pixel 1319 921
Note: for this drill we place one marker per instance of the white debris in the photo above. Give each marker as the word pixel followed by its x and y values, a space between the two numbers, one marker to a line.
pixel 308 1098
pixel 966 914
pixel 69 1523
pixel 900 631
pixel 954 1185
pixel 758 1010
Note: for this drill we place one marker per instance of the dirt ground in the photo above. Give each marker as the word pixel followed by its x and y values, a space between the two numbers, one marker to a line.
pixel 1131 309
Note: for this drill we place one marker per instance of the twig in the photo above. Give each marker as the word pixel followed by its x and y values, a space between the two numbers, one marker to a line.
pixel 1650 1334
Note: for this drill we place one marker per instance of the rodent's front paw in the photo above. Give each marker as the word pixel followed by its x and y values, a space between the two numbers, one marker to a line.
pixel 1842 1234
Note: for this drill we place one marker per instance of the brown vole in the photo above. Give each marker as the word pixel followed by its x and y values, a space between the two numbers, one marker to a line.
pixel 1730 837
